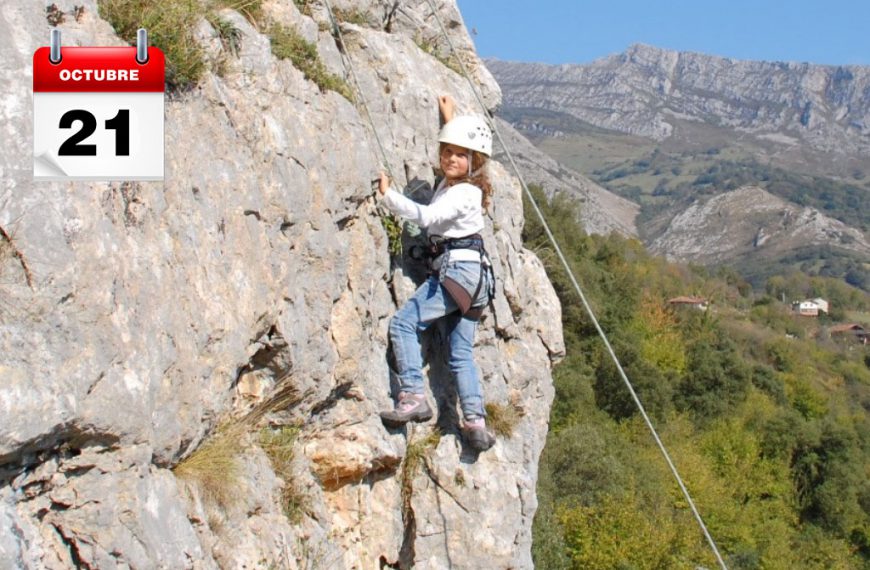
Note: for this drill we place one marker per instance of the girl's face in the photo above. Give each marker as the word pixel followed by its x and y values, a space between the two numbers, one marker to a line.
pixel 454 161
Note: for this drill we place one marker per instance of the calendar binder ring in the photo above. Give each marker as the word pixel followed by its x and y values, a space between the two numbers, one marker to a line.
pixel 54 54
pixel 142 46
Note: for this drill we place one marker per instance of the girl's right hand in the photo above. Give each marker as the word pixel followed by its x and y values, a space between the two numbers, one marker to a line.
pixel 383 184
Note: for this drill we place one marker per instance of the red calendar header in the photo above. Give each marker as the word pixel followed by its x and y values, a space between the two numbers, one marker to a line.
pixel 98 69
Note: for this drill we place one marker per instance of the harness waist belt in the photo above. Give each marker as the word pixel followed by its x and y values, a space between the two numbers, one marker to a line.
pixel 437 246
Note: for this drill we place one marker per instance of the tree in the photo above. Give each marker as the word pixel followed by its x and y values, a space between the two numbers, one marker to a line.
pixel 716 379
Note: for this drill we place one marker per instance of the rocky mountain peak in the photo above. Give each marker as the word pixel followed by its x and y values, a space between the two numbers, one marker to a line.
pixel 648 54
pixel 650 91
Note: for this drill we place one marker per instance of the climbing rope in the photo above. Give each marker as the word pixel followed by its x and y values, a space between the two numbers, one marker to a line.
pixel 579 291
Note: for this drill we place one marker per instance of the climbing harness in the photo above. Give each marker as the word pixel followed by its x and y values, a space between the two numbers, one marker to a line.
pixel 465 298
pixel 579 291
pixel 438 246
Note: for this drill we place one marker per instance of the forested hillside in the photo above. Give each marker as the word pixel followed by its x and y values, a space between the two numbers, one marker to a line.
pixel 766 416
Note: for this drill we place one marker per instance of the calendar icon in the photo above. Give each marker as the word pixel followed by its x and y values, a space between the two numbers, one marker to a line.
pixel 98 112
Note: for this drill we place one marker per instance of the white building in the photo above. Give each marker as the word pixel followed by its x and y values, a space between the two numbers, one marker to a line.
pixel 811 307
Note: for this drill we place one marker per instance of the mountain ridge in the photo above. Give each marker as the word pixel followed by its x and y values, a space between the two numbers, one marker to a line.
pixel 672 130
pixel 639 46
pixel 826 107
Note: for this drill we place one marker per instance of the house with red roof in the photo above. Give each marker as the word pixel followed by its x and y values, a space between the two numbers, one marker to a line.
pixel 850 329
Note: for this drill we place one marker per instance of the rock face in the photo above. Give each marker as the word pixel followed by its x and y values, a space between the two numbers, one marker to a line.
pixel 736 223
pixel 151 334
pixel 646 91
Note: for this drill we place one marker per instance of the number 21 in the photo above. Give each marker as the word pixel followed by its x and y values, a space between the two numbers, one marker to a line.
pixel 73 146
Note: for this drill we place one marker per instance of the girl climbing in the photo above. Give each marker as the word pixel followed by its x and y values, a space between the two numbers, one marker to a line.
pixel 460 282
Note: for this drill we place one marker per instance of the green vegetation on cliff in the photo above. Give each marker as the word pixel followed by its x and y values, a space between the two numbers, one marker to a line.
pixel 765 415
pixel 173 27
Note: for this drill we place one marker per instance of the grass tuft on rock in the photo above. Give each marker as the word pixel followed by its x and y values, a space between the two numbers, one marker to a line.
pixel 449 61
pixel 252 10
pixel 503 418
pixel 214 467
pixel 287 43
pixel 415 454
pixel 304 7
pixel 278 446
pixel 351 16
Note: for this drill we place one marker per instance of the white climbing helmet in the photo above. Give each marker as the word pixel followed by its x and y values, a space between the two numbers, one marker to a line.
pixel 468 132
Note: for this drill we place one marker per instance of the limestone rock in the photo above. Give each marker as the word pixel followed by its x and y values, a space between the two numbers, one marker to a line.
pixel 252 288
pixel 735 223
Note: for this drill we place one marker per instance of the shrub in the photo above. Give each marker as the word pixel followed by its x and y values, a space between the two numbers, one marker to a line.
pixel 548 541
pixel 393 228
pixel 764 378
pixel 583 463
pixel 619 533
pixel 287 43
pixel 810 402
pixel 658 334
pixel 781 434
pixel 652 387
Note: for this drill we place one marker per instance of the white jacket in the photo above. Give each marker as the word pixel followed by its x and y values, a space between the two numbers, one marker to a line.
pixel 454 211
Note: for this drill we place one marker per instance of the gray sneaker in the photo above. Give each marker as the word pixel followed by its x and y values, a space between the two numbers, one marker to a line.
pixel 409 408
pixel 476 435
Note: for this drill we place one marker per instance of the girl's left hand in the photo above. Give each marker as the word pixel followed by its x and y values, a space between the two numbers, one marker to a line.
pixel 384 184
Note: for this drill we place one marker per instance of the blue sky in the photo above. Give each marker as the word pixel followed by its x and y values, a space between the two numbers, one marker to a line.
pixel 578 31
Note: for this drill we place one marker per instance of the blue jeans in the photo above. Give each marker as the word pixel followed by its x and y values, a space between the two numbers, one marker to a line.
pixel 430 303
